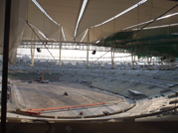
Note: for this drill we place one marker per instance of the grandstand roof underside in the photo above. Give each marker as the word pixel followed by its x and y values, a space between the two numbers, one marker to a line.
pixel 66 12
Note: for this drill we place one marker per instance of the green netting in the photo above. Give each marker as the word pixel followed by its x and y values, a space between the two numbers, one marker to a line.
pixel 152 42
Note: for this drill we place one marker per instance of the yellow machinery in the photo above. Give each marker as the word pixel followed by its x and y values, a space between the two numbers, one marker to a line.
pixel 42 78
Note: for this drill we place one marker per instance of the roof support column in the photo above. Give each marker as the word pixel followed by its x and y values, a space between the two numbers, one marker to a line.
pixel 133 59
pixel 32 50
pixel 161 63
pixel 112 56
pixel 167 62
pixel 32 56
pixel 149 61
pixel 60 47
pixel 88 47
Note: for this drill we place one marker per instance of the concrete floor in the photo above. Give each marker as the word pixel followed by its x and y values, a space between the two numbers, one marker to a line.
pixel 111 81
pixel 40 95
pixel 142 107
pixel 88 86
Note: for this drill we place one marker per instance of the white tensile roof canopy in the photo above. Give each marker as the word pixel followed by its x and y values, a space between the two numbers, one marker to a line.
pixel 102 17
pixel 82 20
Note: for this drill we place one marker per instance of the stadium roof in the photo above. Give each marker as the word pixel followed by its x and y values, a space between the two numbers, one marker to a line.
pixel 77 20
pixel 102 17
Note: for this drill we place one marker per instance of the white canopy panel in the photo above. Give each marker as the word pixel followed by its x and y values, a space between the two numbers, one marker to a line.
pixel 66 12
pixel 98 11
pixel 41 22
pixel 145 12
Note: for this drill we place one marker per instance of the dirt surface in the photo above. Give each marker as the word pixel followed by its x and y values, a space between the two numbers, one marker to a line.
pixel 38 95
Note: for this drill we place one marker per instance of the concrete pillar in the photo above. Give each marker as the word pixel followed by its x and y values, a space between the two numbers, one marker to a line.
pixel 167 62
pixel 149 61
pixel 161 63
pixel 112 56
pixel 133 59
pixel 32 50
pixel 88 40
pixel 60 47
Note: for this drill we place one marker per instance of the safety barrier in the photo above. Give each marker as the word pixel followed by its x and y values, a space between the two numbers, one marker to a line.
pixel 66 107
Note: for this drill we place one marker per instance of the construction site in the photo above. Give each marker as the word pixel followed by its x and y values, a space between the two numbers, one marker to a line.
pixel 89 66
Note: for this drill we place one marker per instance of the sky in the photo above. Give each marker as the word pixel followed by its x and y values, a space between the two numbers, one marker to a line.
pixel 72 54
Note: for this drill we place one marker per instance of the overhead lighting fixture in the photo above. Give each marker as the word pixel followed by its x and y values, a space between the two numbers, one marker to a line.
pixel 120 14
pixel 94 52
pixel 38 50
pixel 80 16
pixel 40 7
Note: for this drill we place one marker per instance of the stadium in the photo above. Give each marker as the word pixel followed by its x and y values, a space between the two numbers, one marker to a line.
pixel 89 65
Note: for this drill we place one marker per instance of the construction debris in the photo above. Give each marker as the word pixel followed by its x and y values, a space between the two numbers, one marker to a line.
pixel 66 94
